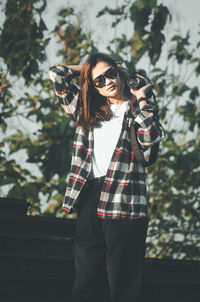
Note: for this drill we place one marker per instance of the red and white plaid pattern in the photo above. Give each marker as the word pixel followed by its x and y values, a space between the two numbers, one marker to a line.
pixel 123 193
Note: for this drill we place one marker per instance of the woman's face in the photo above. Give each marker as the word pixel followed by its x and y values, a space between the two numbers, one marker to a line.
pixel 105 76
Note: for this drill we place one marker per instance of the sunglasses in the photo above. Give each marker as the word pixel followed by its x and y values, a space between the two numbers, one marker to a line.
pixel 100 81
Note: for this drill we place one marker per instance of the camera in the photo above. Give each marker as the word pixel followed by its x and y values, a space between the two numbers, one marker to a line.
pixel 139 79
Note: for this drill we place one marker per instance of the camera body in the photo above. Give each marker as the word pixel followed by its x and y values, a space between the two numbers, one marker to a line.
pixel 139 79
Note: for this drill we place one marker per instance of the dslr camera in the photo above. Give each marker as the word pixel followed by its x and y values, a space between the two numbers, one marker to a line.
pixel 139 79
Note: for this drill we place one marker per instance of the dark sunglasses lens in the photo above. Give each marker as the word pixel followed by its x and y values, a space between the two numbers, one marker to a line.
pixel 100 81
pixel 111 73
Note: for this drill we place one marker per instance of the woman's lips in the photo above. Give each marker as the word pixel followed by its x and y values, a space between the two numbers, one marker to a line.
pixel 111 88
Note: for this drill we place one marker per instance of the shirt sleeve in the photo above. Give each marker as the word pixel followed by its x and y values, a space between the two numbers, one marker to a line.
pixel 148 128
pixel 66 92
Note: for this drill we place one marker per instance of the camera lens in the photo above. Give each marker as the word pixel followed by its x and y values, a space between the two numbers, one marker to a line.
pixel 136 82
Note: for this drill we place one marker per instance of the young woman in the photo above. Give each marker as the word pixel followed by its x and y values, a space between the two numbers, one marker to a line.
pixel 106 183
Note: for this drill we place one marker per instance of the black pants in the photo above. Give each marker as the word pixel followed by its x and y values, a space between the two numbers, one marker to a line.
pixel 109 254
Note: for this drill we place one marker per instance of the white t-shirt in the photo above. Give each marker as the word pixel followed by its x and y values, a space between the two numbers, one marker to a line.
pixel 106 138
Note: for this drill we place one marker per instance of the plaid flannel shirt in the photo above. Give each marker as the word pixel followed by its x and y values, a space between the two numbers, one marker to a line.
pixel 123 194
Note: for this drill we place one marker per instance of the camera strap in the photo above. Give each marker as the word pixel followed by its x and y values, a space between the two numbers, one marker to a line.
pixel 138 153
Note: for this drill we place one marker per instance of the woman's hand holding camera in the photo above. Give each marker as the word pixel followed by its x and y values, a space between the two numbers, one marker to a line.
pixel 140 87
pixel 141 94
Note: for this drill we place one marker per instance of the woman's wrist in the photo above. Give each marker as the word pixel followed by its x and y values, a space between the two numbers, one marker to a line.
pixel 75 68
pixel 142 101
pixel 142 104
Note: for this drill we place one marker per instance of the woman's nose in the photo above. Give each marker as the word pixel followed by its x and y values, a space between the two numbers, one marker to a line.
pixel 108 81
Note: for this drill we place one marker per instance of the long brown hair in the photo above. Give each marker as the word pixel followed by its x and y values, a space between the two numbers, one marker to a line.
pixel 93 106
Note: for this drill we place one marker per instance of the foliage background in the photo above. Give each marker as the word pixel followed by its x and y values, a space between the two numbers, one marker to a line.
pixel 37 137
